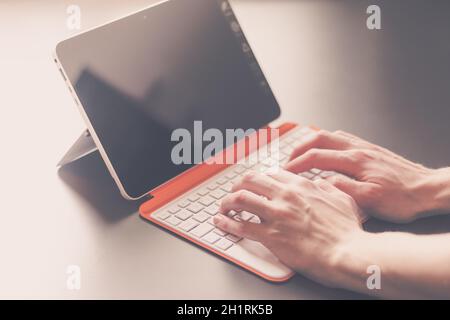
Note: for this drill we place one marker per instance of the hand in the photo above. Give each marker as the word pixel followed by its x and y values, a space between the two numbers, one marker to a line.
pixel 381 182
pixel 303 223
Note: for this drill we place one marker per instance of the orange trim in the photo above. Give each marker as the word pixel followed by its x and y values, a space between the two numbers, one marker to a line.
pixel 189 180
pixel 210 248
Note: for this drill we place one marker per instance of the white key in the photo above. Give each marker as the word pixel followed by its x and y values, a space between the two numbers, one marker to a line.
pixel 193 197
pixel 183 215
pixel 232 213
pixel 222 181
pixel 315 171
pixel 201 217
pixel 224 244
pixel 227 187
pixel 183 204
pixel 239 169
pixel 202 229
pixel 211 221
pixel 188 225
pixel 212 210
pixel 195 207
pixel 163 215
pixel 308 175
pixel 255 219
pixel 327 174
pixel 173 221
pixel 202 192
pixel 245 216
pixel 211 237
pixel 233 238
pixel 212 186
pixel 218 194
pixel 206 201
pixel 220 232
pixel 174 209
pixel 231 175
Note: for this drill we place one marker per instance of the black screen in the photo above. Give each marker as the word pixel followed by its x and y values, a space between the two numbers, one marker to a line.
pixel 143 76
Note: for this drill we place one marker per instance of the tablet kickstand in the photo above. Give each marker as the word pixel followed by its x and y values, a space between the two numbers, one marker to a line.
pixel 82 147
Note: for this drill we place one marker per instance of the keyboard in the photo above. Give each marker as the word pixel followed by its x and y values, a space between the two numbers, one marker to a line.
pixel 191 215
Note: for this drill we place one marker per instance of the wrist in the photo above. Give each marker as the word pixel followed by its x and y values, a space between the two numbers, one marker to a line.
pixel 346 265
pixel 354 261
pixel 435 191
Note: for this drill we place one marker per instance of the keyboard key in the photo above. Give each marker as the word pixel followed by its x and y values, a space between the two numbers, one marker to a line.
pixel 218 194
pixel 163 215
pixel 193 197
pixel 195 207
pixel 221 181
pixel 174 209
pixel 213 186
pixel 188 225
pixel 227 187
pixel 202 229
pixel 201 217
pixel 183 215
pixel 231 175
pixel 240 169
pixel 211 237
pixel 183 204
pixel 315 171
pixel 232 213
pixel 233 238
pixel 212 210
pixel 327 174
pixel 245 216
pixel 255 219
pixel 308 175
pixel 224 244
pixel 206 201
pixel 202 192
pixel 220 232
pixel 173 221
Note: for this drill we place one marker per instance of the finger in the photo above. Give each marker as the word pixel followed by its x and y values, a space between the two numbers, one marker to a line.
pixel 244 200
pixel 320 140
pixel 249 230
pixel 353 188
pixel 357 141
pixel 325 185
pixel 329 160
pixel 258 183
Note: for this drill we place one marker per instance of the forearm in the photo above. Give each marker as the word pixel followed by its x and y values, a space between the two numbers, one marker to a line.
pixel 411 266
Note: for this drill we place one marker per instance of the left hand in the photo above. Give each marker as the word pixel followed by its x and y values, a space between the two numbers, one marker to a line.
pixel 303 223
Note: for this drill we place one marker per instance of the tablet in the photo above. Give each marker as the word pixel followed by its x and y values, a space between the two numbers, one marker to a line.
pixel 141 77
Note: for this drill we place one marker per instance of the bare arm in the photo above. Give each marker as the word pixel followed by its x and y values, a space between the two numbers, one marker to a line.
pixel 384 184
pixel 411 266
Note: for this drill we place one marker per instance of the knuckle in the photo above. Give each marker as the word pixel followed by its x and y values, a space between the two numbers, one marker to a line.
pixel 249 177
pixel 240 196
pixel 359 156
pixel 312 154
pixel 323 135
pixel 289 194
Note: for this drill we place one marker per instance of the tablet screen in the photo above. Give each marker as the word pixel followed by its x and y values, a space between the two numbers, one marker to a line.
pixel 144 76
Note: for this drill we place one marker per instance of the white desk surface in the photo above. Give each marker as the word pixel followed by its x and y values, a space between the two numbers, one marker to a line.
pixel 325 68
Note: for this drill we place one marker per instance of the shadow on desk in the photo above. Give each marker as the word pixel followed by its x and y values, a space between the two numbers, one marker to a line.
pixel 90 178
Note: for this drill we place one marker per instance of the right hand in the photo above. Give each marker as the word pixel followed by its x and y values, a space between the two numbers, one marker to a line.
pixel 382 183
